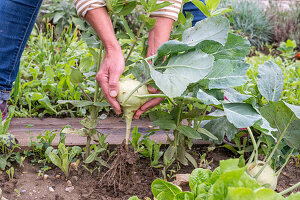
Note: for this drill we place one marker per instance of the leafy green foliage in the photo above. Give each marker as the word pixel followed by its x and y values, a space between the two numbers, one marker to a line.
pixel 251 19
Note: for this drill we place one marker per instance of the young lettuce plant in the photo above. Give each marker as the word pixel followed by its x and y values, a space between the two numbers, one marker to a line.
pixel 63 156
pixel 228 181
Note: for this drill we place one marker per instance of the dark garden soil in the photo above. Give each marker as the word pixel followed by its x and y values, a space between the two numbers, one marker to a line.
pixel 112 186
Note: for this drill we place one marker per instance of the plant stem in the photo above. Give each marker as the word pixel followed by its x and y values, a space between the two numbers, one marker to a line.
pixel 285 163
pixel 254 145
pixel 85 94
pixel 87 147
pixel 203 115
pixel 98 67
pixel 290 189
pixel 95 109
pixel 135 41
pixel 276 147
pixel 253 154
pixel 135 89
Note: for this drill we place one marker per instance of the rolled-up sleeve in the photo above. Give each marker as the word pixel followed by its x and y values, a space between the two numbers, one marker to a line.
pixel 83 6
pixel 171 11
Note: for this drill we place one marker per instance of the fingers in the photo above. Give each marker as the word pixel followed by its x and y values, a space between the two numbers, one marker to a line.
pixel 150 104
pixel 108 78
pixel 152 90
pixel 103 80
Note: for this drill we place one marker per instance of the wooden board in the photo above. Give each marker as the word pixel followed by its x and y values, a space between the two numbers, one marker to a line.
pixel 113 127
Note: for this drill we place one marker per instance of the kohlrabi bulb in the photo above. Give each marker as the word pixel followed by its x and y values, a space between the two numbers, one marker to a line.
pixel 133 103
pixel 267 176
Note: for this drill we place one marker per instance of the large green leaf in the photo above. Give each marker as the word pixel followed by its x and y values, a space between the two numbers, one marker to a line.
pixel 163 120
pixel 206 98
pixel 234 96
pixel 181 71
pixel 284 120
pixel 236 48
pixel 213 28
pixel 171 47
pixel 270 81
pixel 294 108
pixel 293 134
pixel 160 185
pixel 219 127
pixel 242 115
pixel 227 73
pixel 189 132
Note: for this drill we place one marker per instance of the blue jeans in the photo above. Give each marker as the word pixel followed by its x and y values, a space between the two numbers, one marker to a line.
pixel 198 15
pixel 17 18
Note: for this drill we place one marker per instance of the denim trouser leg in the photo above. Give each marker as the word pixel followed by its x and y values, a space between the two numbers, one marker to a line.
pixel 198 15
pixel 17 18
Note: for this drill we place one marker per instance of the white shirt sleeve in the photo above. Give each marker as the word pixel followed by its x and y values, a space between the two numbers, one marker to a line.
pixel 171 11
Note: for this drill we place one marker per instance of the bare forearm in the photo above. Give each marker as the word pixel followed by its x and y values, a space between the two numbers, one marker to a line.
pixel 159 34
pixel 99 19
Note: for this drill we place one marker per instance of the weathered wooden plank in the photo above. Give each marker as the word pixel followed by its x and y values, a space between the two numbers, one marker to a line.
pixel 113 127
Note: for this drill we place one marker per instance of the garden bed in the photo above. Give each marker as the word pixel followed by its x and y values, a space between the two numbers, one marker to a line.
pixel 86 186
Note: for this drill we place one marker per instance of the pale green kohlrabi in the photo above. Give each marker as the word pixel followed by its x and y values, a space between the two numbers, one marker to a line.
pixel 267 177
pixel 133 103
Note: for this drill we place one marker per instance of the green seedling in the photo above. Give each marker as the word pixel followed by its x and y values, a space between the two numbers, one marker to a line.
pixel 10 172
pixel 63 156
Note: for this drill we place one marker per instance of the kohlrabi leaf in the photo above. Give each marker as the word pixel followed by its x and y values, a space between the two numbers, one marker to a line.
pixel 270 81
pixel 171 47
pixel 284 120
pixel 236 48
pixel 182 70
pixel 160 185
pixel 219 127
pixel 185 196
pixel 213 28
pixel 242 115
pixel 163 120
pixel 234 96
pixel 227 73
pixel 206 98
pixel 141 72
pixel 294 108
pixel 293 134
pixel 199 176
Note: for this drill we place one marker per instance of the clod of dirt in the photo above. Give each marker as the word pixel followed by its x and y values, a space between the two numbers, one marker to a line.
pixel 122 172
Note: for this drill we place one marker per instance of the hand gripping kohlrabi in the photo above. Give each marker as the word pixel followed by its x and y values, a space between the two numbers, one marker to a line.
pixel 133 103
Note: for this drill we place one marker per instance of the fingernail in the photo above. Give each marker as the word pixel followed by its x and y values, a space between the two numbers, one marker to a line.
pixel 113 93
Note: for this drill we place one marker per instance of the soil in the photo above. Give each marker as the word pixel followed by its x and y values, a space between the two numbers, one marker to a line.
pixel 86 186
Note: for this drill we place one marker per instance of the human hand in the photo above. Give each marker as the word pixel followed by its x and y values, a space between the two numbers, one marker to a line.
pixel 109 74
